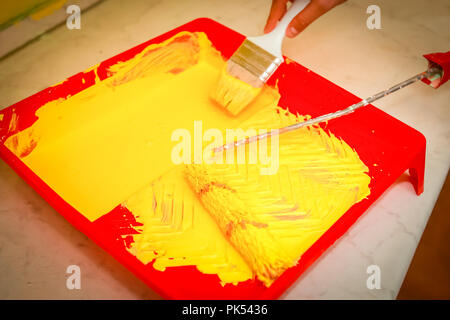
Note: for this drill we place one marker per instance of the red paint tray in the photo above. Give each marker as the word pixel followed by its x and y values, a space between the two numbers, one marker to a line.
pixel 377 137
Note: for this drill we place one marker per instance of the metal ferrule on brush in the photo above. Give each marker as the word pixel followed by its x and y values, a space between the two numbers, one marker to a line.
pixel 252 64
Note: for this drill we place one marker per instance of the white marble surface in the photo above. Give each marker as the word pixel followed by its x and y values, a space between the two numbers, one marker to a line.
pixel 37 244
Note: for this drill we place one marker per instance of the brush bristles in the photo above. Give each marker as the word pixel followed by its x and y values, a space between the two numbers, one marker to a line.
pixel 244 76
pixel 234 94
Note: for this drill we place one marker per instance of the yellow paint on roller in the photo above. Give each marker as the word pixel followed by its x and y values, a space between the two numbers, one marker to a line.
pixel 177 231
pixel 273 219
pixel 111 144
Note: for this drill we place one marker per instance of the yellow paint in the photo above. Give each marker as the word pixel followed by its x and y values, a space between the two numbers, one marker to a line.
pixel 273 219
pixel 48 9
pixel 233 94
pixel 13 122
pixel 13 11
pixel 111 144
pixel 103 144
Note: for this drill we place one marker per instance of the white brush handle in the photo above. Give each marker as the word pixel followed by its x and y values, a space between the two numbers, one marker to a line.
pixel 272 41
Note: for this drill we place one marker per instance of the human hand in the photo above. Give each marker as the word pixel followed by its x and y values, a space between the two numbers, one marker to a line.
pixel 312 11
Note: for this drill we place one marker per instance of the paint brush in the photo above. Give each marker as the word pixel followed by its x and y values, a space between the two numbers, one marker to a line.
pixel 252 64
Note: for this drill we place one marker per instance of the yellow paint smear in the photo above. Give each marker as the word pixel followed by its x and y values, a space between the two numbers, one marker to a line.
pixel 101 145
pixel 48 9
pixel 178 231
pixel 12 11
pixel 111 144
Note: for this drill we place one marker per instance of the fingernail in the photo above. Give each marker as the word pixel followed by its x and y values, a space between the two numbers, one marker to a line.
pixel 291 32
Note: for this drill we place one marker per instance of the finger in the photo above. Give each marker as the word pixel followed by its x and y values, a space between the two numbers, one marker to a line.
pixel 277 11
pixel 311 12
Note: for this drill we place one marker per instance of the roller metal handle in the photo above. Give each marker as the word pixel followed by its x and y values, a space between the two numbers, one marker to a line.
pixel 432 72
